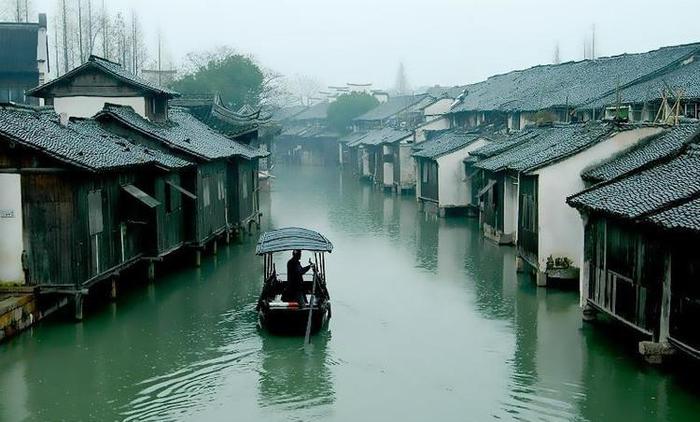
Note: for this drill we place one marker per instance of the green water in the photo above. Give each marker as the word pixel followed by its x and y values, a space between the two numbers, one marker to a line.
pixel 430 322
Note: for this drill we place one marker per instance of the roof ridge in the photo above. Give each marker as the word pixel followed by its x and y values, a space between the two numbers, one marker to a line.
pixel 604 58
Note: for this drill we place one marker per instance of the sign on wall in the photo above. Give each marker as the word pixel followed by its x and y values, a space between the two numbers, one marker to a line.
pixel 7 213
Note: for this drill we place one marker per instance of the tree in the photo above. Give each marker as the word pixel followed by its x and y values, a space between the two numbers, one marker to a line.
pixel 15 10
pixel 235 77
pixel 348 106
pixel 303 88
pixel 401 87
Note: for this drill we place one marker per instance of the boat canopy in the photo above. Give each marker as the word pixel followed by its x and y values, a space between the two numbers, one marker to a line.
pixel 291 238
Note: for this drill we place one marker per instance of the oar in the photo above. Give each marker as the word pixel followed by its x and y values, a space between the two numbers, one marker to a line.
pixel 307 337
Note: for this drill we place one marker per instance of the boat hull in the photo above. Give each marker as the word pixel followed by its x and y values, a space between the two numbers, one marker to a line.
pixel 292 321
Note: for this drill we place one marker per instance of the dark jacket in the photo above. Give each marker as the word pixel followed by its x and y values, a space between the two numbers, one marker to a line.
pixel 295 273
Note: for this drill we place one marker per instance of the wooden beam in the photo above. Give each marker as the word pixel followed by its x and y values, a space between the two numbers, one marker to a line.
pixel 33 170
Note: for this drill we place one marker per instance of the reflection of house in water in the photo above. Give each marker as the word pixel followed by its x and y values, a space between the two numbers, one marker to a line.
pixel 295 376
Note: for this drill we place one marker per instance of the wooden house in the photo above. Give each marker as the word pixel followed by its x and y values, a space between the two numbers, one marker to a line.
pixel 166 231
pixel 74 205
pixel 538 175
pixel 83 91
pixel 24 59
pixel 224 180
pixel 440 173
pixel 493 191
pixel 641 227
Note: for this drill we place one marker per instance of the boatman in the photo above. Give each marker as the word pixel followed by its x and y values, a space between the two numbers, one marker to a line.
pixel 295 279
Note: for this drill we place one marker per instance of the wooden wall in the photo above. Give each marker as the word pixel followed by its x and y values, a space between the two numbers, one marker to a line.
pixel 211 200
pixel 243 190
pixel 428 178
pixel 528 231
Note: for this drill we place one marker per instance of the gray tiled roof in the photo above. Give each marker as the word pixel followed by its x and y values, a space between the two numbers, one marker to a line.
pixel 548 144
pixel 285 113
pixel 383 136
pixel 685 216
pixel 192 100
pixel 40 130
pixel 445 143
pixel 183 132
pixel 546 86
pixel 503 143
pixel 684 78
pixel 392 107
pixel 647 191
pixel 308 132
pixel 352 137
pixel 669 143
pixel 114 69
pixel 445 91
pixel 315 112
pixel 92 128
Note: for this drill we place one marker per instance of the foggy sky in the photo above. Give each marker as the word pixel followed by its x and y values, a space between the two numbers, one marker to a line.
pixel 444 42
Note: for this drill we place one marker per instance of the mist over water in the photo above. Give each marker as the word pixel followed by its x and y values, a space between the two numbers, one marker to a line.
pixel 430 322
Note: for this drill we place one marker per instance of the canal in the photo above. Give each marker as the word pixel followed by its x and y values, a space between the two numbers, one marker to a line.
pixel 430 322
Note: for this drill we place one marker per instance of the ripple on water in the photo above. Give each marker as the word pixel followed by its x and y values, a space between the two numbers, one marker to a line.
pixel 532 398
pixel 186 391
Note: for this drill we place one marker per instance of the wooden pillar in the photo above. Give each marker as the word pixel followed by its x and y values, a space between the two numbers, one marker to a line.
pixel 151 271
pixel 228 237
pixel 78 301
pixel 664 318
pixel 113 291
pixel 215 247
pixel 198 257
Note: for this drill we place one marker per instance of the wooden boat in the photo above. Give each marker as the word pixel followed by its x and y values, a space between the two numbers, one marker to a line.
pixel 290 317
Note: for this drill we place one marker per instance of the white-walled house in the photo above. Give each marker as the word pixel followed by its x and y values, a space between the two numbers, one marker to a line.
pixel 440 177
pixel 84 91
pixel 543 172
pixel 421 132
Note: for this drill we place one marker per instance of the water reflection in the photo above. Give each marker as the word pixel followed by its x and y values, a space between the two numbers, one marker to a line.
pixel 293 376
pixel 431 322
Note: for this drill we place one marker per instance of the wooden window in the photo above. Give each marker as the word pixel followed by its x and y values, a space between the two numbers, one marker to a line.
pixel 424 172
pixel 95 220
pixel 205 191
pixel 169 206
